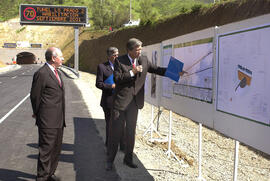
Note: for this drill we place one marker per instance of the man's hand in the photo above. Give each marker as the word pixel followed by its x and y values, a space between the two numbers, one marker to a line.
pixel 134 70
pixel 182 73
pixel 137 69
pixel 113 86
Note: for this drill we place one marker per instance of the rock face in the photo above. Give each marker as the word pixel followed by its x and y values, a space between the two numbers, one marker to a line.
pixel 12 32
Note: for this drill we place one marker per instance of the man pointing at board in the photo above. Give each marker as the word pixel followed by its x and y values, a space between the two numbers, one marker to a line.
pixel 129 76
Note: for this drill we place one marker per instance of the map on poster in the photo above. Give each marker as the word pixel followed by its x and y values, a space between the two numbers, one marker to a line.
pixel 197 57
pixel 243 86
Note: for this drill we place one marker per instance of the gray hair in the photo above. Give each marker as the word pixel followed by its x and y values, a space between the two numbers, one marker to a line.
pixel 133 43
pixel 111 51
pixel 51 52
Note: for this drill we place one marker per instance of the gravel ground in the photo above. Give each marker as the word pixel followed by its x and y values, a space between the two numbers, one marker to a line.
pixel 217 150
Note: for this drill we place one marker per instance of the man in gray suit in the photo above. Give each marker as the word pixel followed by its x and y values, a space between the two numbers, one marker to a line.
pixel 129 76
pixel 48 103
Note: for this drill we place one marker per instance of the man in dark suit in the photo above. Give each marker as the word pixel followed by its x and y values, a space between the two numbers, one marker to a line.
pixel 129 75
pixel 104 71
pixel 48 103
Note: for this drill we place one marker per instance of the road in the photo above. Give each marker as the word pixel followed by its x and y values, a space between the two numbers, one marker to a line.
pixel 83 153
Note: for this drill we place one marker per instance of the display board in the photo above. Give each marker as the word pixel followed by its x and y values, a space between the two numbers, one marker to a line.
pixel 231 64
pixel 197 57
pixel 152 82
pixel 167 84
pixel 192 95
pixel 243 84
pixel 53 15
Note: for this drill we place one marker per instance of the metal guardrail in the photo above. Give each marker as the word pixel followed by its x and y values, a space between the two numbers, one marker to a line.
pixel 72 70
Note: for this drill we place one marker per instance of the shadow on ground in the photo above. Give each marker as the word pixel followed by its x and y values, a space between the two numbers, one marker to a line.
pixel 89 155
pixel 12 175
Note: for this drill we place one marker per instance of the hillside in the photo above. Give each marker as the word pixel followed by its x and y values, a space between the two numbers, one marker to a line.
pixel 93 51
pixel 11 31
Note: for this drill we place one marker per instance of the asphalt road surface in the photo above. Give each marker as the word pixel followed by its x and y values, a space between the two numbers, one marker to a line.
pixel 83 153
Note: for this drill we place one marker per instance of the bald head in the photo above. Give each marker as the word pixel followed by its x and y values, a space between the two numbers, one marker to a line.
pixel 54 56
pixel 52 52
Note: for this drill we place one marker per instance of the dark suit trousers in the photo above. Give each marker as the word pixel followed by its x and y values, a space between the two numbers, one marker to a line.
pixel 107 114
pixel 50 143
pixel 119 118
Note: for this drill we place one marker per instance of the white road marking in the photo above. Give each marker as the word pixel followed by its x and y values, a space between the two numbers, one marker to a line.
pixel 14 77
pixel 13 109
pixel 23 73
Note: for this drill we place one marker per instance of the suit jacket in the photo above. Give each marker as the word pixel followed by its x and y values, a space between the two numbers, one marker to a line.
pixel 48 99
pixel 128 87
pixel 104 71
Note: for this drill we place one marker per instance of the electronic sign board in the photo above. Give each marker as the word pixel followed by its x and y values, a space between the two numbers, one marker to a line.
pixel 53 15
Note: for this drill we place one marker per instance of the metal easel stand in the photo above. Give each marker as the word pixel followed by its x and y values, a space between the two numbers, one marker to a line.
pixel 169 151
pixel 235 160
pixel 152 128
pixel 200 153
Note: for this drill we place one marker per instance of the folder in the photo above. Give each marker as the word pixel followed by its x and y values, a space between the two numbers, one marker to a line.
pixel 109 80
pixel 175 66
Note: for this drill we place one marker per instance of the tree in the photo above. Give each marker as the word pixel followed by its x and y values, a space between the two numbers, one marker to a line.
pixel 147 12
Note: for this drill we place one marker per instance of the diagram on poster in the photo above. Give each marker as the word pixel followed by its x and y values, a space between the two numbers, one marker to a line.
pixel 197 57
pixel 243 84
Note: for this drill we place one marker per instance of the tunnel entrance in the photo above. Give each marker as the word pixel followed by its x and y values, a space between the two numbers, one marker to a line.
pixel 26 58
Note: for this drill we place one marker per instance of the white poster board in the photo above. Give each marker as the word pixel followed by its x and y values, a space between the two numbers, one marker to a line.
pixel 243 51
pixel 243 86
pixel 192 95
pixel 152 82
pixel 197 57
pixel 167 84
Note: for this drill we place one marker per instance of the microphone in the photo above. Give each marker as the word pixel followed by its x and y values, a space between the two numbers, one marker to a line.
pixel 139 61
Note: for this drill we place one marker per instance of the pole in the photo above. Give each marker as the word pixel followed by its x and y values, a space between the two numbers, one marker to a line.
pixel 235 160
pixel 129 10
pixel 170 133
pixel 76 48
pixel 152 120
pixel 200 153
pixel 159 114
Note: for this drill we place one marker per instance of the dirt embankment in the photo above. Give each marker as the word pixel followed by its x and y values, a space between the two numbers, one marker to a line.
pixel 92 52
pixel 11 32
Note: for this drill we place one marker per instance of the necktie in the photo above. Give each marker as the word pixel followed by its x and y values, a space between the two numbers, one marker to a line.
pixel 56 75
pixel 133 63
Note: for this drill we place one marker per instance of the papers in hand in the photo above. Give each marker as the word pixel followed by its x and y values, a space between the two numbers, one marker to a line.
pixel 175 66
pixel 109 80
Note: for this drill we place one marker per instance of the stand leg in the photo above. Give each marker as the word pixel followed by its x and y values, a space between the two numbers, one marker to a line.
pixel 200 153
pixel 169 152
pixel 235 160
pixel 152 128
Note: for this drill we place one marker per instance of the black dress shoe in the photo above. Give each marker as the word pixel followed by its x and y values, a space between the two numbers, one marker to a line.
pixel 130 164
pixel 109 166
pixel 54 178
